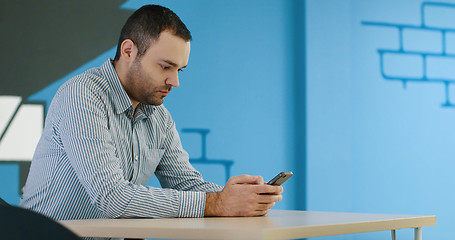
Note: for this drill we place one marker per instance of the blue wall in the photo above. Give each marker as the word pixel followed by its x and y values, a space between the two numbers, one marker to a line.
pixel 377 143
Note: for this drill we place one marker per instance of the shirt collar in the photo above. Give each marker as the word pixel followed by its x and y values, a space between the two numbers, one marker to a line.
pixel 147 109
pixel 121 100
pixel 144 110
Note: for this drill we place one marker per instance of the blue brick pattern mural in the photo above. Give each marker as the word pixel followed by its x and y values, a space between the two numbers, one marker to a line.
pixel 227 164
pixel 423 49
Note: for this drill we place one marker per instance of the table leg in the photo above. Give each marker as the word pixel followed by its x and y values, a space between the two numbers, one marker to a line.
pixel 394 234
pixel 418 233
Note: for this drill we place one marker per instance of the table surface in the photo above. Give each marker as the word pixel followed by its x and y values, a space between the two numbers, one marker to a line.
pixel 278 224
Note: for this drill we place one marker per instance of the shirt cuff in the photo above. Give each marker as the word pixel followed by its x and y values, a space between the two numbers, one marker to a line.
pixel 191 204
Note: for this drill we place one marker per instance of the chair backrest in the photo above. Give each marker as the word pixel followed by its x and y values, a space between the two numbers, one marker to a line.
pixel 20 223
pixel 3 203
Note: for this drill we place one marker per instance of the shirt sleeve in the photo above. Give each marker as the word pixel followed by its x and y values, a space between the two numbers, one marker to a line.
pixel 175 171
pixel 84 132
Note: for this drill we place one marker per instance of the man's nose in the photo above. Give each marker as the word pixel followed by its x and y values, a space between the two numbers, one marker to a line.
pixel 173 80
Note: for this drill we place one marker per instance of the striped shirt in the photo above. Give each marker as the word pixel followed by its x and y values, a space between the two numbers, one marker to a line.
pixel 96 155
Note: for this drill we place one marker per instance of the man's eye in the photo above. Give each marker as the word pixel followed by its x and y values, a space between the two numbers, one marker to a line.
pixel 164 67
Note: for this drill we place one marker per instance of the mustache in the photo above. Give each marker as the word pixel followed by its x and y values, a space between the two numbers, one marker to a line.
pixel 165 89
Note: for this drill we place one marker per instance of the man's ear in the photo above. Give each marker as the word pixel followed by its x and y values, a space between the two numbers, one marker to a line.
pixel 128 50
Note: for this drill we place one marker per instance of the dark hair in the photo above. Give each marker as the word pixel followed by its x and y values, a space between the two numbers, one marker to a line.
pixel 146 24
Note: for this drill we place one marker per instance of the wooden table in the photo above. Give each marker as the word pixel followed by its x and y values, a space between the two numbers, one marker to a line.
pixel 278 224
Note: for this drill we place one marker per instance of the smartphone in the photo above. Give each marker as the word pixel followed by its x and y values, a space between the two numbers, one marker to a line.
pixel 280 178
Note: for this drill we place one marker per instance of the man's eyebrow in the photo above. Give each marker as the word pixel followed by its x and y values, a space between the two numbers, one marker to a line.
pixel 173 63
pixel 170 63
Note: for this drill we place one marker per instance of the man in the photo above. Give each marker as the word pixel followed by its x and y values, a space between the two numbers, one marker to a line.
pixel 107 133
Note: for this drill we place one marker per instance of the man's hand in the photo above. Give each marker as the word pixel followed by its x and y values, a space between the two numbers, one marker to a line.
pixel 242 197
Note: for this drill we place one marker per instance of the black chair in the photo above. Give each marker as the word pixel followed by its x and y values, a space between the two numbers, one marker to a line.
pixel 22 224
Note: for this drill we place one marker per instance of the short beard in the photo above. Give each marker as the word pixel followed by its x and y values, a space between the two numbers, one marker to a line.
pixel 135 77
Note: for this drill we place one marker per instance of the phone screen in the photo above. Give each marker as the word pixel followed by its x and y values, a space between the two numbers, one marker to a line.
pixel 280 178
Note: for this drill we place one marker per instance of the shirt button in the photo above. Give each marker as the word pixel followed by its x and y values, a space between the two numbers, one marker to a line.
pixel 136 158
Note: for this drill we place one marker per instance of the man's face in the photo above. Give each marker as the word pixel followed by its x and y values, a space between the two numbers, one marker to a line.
pixel 151 77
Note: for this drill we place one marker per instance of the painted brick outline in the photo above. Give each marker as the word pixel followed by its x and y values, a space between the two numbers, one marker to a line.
pixel 427 54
